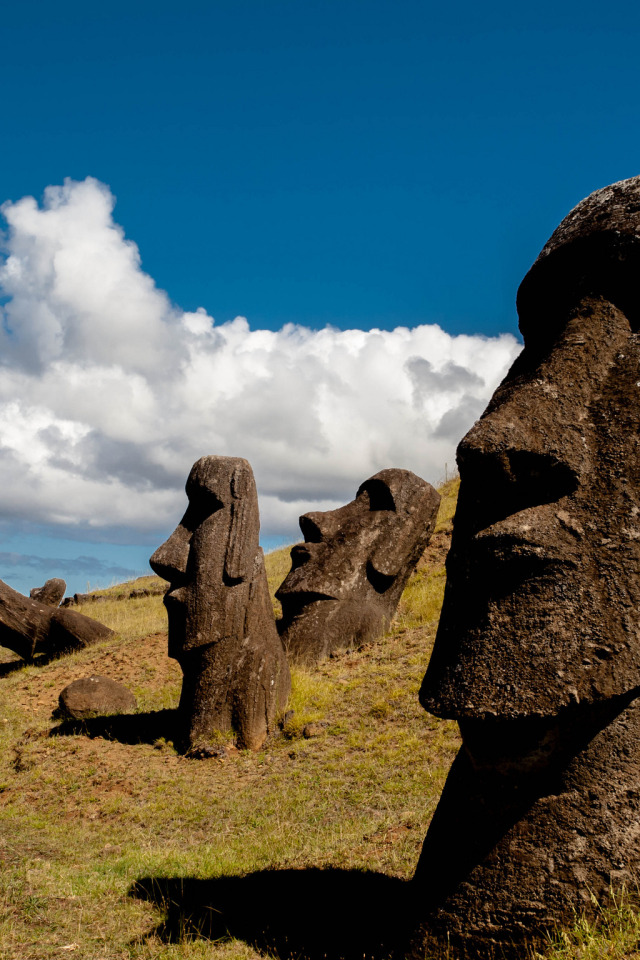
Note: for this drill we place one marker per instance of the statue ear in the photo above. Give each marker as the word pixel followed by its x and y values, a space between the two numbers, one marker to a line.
pixel 243 532
pixel 409 531
pixel 390 554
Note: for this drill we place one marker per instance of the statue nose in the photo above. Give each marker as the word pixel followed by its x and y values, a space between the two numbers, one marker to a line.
pixel 509 462
pixel 170 559
pixel 318 526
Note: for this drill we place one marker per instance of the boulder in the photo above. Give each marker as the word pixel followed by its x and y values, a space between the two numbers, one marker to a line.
pixel 95 696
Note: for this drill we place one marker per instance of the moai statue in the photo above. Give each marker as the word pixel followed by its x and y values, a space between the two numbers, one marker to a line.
pixel 51 593
pixel 31 628
pixel 221 626
pixel 537 655
pixel 346 579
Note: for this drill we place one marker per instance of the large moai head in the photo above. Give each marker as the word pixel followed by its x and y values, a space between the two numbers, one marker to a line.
pixel 542 606
pixel 208 559
pixel 537 653
pixel 347 577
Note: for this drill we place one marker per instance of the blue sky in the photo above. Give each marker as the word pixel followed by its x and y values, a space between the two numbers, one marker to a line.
pixel 358 164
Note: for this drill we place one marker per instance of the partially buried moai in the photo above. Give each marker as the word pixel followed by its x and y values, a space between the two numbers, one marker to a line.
pixel 346 579
pixel 537 655
pixel 51 593
pixel 221 624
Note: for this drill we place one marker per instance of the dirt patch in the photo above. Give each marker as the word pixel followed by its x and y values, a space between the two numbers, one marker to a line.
pixel 138 664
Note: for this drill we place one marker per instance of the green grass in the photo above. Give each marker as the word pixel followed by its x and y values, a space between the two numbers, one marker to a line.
pixel 615 933
pixel 278 564
pixel 84 816
pixel 449 498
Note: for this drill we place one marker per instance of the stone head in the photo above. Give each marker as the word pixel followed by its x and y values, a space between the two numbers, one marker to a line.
pixel 347 577
pixel 542 605
pixel 209 558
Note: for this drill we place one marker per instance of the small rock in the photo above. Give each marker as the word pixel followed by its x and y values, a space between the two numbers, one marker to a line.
pixel 111 849
pixel 285 720
pixel 205 751
pixel 95 696
pixel 51 593
pixel 314 729
pixel 284 726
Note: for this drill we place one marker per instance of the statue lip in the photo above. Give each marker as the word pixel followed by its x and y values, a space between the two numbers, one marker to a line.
pixel 512 546
pixel 303 593
pixel 516 558
pixel 174 597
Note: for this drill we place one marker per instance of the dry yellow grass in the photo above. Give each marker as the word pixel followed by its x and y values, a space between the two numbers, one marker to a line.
pixel 278 564
pixel 133 618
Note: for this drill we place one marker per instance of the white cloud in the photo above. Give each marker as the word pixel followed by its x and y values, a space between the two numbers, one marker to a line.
pixel 108 392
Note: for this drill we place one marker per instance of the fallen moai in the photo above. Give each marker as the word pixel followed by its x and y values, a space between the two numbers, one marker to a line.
pixel 346 579
pixel 30 628
pixel 51 593
pixel 537 654
pixel 221 626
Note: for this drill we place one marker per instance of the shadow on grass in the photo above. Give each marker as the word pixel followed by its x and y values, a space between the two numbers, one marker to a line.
pixel 125 728
pixel 40 660
pixel 329 914
pixel 6 669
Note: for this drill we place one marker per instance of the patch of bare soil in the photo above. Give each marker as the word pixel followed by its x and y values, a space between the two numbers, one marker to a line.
pixel 140 664
pixel 437 550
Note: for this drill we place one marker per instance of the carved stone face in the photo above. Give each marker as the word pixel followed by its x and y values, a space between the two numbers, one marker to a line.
pixel 542 606
pixel 347 577
pixel 209 558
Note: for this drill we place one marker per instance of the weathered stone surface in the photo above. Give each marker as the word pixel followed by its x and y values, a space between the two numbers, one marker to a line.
pixel 221 625
pixel 29 628
pixel 70 630
pixel 596 249
pixel 518 851
pixel 346 579
pixel 24 623
pixel 95 696
pixel 51 593
pixel 537 653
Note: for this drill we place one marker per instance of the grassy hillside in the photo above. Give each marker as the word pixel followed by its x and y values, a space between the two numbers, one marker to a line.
pixel 87 811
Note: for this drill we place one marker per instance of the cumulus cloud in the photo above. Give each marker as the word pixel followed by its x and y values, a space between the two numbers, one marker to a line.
pixel 109 392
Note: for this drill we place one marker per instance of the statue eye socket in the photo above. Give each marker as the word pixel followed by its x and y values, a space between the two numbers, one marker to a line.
pixel 202 504
pixel 380 496
pixel 310 530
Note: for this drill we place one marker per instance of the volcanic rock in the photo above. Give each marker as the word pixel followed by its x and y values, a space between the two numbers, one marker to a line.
pixel 51 593
pixel 221 626
pixel 28 627
pixel 95 696
pixel 346 579
pixel 537 653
